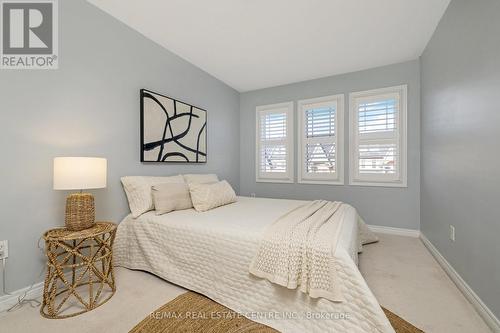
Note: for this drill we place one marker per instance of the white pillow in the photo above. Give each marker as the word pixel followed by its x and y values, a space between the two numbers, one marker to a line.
pixel 208 196
pixel 168 197
pixel 138 190
pixel 202 178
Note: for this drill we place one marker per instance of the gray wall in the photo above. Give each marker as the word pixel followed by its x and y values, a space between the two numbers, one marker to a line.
pixel 90 107
pixel 394 207
pixel 460 143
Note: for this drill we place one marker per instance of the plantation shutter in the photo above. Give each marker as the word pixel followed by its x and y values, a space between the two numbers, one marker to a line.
pixel 274 140
pixel 319 140
pixel 379 137
pixel 378 150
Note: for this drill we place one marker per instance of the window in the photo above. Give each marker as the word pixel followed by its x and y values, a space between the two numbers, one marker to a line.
pixel 274 153
pixel 321 123
pixel 378 137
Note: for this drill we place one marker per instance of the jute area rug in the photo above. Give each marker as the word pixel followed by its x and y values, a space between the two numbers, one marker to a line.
pixel 193 313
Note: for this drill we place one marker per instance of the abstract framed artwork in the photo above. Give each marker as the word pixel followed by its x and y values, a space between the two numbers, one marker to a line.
pixel 172 131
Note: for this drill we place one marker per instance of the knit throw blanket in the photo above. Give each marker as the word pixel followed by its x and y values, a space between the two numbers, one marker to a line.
pixel 298 250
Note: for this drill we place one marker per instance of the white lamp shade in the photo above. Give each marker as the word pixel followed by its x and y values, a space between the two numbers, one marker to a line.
pixel 79 173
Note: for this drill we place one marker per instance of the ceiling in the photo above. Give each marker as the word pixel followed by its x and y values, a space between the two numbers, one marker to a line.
pixel 253 44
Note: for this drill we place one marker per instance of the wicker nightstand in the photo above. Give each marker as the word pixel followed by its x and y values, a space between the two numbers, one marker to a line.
pixel 78 262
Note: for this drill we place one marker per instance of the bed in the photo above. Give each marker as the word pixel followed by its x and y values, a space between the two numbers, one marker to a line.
pixel 210 253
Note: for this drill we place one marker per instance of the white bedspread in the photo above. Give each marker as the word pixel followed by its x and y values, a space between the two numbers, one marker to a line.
pixel 210 253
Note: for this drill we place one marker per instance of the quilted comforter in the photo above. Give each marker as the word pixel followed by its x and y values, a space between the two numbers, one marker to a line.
pixel 211 252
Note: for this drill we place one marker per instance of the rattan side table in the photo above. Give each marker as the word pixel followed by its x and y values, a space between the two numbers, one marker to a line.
pixel 79 270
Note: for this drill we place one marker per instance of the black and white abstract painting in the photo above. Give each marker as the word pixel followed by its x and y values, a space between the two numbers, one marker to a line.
pixel 171 130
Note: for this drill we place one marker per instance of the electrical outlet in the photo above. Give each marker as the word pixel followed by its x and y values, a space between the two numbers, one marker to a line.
pixel 252 195
pixel 452 233
pixel 4 249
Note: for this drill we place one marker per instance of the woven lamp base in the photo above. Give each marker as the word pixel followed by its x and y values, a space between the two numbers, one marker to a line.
pixel 80 211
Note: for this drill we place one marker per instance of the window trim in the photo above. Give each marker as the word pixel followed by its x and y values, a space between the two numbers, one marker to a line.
pixel 354 178
pixel 289 175
pixel 338 179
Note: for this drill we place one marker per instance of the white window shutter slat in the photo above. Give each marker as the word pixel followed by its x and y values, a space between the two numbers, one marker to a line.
pixel 378 137
pixel 274 140
pixel 321 142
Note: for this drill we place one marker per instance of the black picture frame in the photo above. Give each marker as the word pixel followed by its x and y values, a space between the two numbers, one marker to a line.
pixel 181 152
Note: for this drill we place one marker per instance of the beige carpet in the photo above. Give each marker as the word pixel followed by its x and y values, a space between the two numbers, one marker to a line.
pixel 399 270
pixel 192 312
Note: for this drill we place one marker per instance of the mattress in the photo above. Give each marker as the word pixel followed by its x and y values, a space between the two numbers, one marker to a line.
pixel 210 253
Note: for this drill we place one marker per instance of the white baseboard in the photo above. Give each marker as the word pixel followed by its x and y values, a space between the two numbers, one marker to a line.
pixel 395 231
pixel 483 310
pixel 7 301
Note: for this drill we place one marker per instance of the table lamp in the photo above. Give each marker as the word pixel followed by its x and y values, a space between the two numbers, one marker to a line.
pixel 79 173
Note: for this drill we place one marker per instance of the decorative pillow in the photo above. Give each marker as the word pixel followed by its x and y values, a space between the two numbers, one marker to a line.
pixel 168 197
pixel 138 190
pixel 201 178
pixel 208 196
